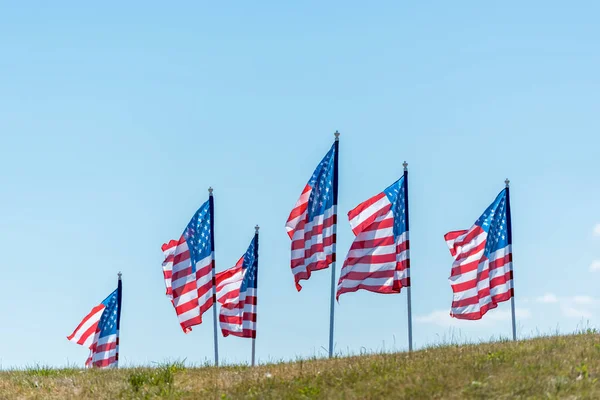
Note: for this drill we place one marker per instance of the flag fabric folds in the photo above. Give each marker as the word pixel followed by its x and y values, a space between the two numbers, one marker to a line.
pixel 99 331
pixel 191 262
pixel 311 223
pixel 236 291
pixel 481 275
pixel 378 259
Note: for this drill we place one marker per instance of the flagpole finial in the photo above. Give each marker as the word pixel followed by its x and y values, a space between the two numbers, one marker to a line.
pixel 405 165
pixel 119 275
pixel 210 190
pixel 507 182
pixel 337 135
pixel 256 228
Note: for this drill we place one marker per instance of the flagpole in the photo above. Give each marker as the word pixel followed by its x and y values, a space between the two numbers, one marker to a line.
pixel 408 296
pixel 256 228
pixel 119 297
pixel 333 257
pixel 211 205
pixel 509 232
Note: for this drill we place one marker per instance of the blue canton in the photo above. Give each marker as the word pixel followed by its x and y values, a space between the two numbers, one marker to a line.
pixel 108 322
pixel 197 235
pixel 321 182
pixel 395 194
pixel 494 222
pixel 250 266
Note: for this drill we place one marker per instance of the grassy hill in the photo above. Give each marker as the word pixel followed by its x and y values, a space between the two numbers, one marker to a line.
pixel 549 367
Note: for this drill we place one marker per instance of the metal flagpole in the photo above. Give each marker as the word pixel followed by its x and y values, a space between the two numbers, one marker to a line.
pixel 256 228
pixel 119 297
pixel 211 205
pixel 408 297
pixel 509 231
pixel 333 257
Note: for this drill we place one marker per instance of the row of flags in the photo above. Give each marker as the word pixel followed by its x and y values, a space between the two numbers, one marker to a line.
pixel 378 261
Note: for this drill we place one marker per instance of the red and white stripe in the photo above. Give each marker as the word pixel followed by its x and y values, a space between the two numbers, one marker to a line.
pixel 313 242
pixel 377 261
pixel 238 309
pixel 192 292
pixel 103 352
pixel 479 283
pixel 169 252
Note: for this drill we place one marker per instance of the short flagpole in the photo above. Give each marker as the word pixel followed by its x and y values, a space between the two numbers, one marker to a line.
pixel 408 297
pixel 214 279
pixel 509 229
pixel 256 228
pixel 335 202
pixel 119 300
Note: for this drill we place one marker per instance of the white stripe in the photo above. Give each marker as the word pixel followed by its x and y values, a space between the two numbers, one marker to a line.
pixel 291 225
pixel 93 320
pixel 369 211
pixel 350 283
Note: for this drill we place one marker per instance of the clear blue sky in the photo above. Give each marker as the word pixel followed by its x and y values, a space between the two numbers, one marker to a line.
pixel 115 119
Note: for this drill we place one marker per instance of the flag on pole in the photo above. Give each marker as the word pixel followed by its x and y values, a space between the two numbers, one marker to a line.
pixel 481 275
pixel 378 260
pixel 99 331
pixel 311 223
pixel 236 291
pixel 190 261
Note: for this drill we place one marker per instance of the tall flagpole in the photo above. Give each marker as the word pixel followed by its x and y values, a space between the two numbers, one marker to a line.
pixel 211 205
pixel 512 279
pixel 119 298
pixel 333 257
pixel 408 297
pixel 256 228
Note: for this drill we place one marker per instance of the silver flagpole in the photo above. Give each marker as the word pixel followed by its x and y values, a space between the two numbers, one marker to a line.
pixel 408 297
pixel 512 279
pixel 256 228
pixel 214 267
pixel 335 201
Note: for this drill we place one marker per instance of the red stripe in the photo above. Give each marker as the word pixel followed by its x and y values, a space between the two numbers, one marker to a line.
pixel 369 244
pixel 315 266
pixel 105 363
pixel 105 347
pixel 91 329
pixel 180 258
pixel 374 289
pixel 371 218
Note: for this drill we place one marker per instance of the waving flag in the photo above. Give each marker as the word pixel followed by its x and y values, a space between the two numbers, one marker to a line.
pixel 378 260
pixel 191 262
pixel 236 291
pixel 99 331
pixel 481 275
pixel 311 224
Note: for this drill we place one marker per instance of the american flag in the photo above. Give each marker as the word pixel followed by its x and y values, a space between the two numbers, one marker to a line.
pixel 311 224
pixel 191 262
pixel 236 291
pixel 99 331
pixel 481 275
pixel 378 260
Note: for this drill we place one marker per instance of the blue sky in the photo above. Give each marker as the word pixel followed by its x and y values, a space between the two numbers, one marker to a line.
pixel 115 119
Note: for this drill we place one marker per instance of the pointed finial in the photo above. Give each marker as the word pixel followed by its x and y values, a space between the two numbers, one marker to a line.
pixel 405 165
pixel 256 228
pixel 210 190
pixel 337 135
pixel 507 182
pixel 119 275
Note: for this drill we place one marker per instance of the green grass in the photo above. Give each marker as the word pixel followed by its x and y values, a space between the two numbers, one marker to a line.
pixel 548 367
